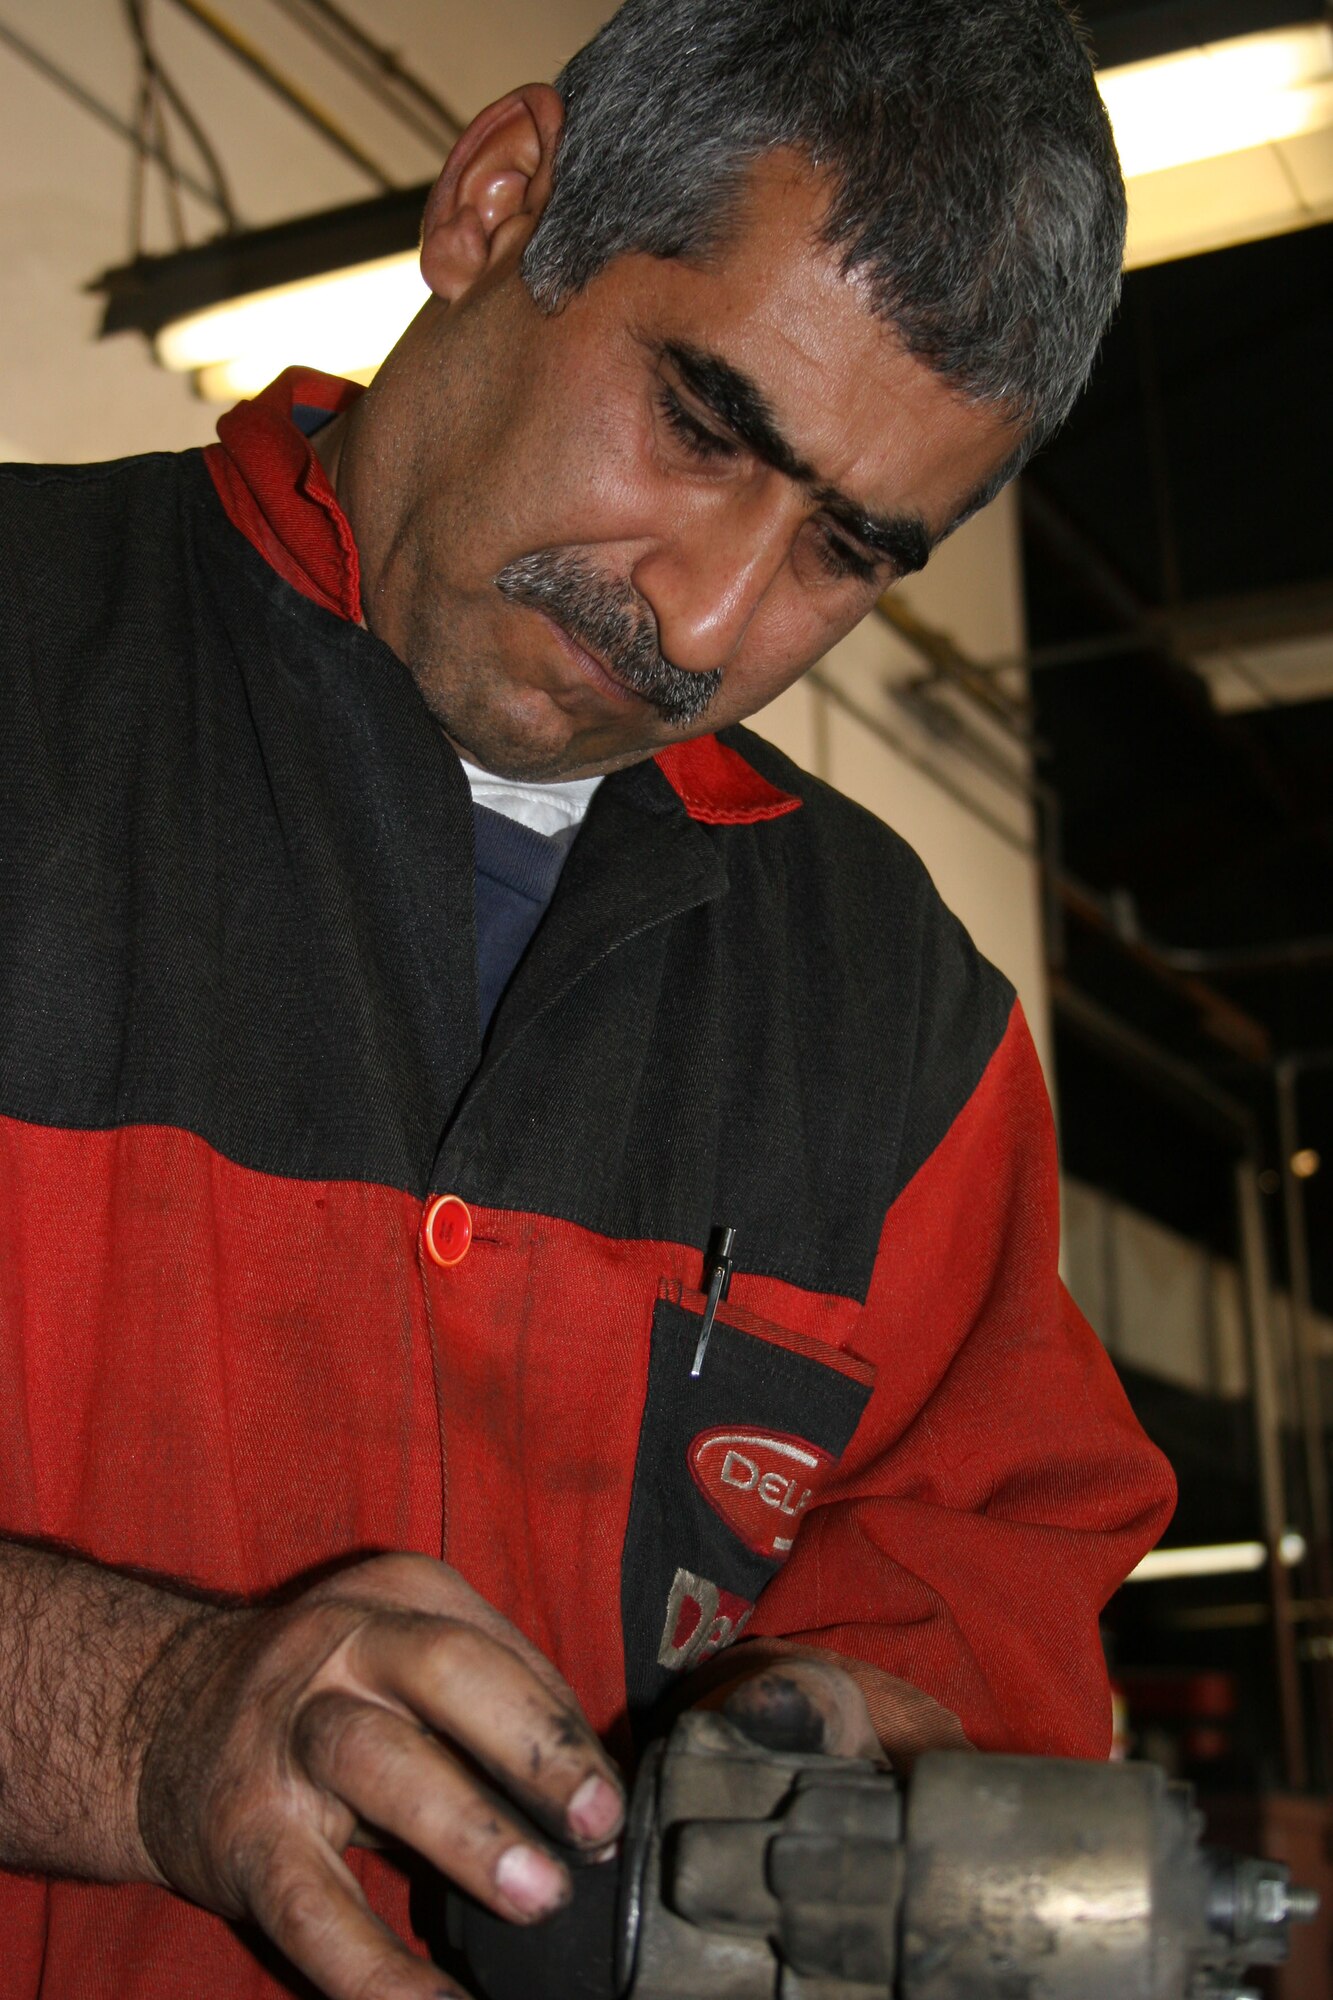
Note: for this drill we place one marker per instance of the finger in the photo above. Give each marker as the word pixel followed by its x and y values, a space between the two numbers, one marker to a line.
pixel 402 1582
pixel 907 1721
pixel 311 1905
pixel 480 1695
pixel 394 1774
pixel 804 1706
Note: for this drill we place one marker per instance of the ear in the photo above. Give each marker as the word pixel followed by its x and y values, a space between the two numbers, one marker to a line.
pixel 495 184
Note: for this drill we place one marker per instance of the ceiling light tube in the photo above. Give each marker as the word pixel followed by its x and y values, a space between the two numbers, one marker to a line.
pixel 1216 1559
pixel 343 322
pixel 1224 97
pixel 351 283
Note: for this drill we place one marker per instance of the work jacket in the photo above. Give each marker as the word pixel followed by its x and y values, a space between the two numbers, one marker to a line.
pixel 241 1337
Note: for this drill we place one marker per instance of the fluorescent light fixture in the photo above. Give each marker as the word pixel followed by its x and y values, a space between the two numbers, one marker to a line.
pixel 1219 144
pixel 1225 143
pixel 1216 1559
pixel 1222 98
pixel 343 322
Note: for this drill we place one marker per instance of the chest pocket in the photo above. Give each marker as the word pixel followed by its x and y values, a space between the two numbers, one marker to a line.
pixel 727 1466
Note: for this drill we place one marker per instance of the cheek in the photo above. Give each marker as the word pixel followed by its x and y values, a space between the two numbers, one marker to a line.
pixel 792 632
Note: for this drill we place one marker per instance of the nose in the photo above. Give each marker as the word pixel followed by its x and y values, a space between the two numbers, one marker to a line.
pixel 705 581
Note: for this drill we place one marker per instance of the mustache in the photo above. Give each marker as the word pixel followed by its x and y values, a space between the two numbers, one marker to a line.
pixel 608 618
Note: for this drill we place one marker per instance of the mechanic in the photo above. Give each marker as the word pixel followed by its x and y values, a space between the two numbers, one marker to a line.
pixel 514 1194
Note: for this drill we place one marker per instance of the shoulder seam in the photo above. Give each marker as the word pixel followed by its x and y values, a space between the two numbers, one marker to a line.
pixel 80 474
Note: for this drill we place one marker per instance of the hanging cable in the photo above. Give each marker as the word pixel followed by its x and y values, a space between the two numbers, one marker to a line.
pixel 71 88
pixel 171 183
pixel 162 85
pixel 150 125
pixel 376 69
pixel 143 121
pixel 389 63
pixel 296 99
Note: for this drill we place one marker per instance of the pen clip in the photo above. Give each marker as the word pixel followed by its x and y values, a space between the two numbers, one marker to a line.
pixel 719 1265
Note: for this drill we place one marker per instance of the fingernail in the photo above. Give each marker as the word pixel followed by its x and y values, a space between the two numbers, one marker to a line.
pixel 530 1880
pixel 594 1811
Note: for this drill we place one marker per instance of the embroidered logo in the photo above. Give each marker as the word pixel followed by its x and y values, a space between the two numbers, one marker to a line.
pixel 701 1618
pixel 759 1482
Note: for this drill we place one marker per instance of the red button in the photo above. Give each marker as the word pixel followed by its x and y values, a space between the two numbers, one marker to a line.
pixel 448 1230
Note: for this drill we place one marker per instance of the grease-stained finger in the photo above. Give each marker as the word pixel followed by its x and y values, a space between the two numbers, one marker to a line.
pixel 309 1902
pixel 800 1704
pixel 394 1774
pixel 478 1694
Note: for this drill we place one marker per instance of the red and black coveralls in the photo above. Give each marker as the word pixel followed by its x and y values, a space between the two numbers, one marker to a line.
pixel 240 1056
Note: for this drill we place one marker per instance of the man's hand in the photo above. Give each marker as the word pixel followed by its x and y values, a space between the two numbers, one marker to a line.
pixel 388 1701
pixel 795 1699
pixel 392 1697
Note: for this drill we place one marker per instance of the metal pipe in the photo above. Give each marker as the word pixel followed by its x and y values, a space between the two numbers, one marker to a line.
pixel 901 748
pixel 948 660
pixel 1272 1476
pixel 1305 1344
pixel 1306 1341
pixel 251 57
pixel 1284 954
pixel 1173 1076
pixel 1219 1016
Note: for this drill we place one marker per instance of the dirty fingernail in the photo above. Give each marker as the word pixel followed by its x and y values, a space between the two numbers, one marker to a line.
pixel 530 1880
pixel 594 1810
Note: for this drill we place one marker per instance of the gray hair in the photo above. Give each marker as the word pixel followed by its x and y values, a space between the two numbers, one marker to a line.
pixel 974 178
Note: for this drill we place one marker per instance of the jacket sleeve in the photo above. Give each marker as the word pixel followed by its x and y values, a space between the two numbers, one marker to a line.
pixel 999 1488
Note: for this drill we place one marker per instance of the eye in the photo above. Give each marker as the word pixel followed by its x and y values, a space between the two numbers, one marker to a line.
pixel 699 439
pixel 842 559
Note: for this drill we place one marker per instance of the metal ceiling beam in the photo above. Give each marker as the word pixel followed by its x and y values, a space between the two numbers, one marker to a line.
pixel 1125 31
pixel 1250 618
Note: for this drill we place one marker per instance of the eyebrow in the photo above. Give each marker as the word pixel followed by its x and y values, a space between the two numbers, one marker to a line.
pixel 740 405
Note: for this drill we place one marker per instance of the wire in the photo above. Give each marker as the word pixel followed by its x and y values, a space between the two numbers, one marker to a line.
pixel 376 70
pixel 171 175
pixel 71 88
pixel 161 84
pixel 148 120
pixel 143 110
pixel 252 58
pixel 383 60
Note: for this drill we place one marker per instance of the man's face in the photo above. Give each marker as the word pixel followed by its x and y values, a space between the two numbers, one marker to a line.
pixel 594 533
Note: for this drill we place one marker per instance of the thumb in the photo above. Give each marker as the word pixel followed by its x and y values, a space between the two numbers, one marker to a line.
pixel 804 1706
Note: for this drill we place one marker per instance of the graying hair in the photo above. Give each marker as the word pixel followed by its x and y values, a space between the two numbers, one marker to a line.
pixel 973 175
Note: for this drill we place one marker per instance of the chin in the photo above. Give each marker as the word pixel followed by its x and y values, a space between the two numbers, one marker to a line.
pixel 539 751
pixel 533 756
pixel 531 765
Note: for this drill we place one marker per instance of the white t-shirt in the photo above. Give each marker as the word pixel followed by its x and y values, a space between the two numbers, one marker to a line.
pixel 554 808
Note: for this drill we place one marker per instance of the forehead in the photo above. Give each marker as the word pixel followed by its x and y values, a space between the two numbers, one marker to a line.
pixel 772 300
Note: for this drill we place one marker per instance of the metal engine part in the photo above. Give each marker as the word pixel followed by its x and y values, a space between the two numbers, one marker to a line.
pixel 754 1875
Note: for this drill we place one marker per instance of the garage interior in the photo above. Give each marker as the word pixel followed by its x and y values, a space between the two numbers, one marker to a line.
pixel 1104 716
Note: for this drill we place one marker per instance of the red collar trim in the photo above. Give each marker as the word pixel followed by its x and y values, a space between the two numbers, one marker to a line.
pixel 716 785
pixel 276 492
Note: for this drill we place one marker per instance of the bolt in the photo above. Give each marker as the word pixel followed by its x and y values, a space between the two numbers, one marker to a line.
pixel 1302 1904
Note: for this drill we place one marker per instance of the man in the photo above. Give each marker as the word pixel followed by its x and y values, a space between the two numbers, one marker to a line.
pixel 371 1459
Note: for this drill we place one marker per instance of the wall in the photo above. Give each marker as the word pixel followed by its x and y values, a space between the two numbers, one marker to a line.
pixel 949 782
pixel 1168 1306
